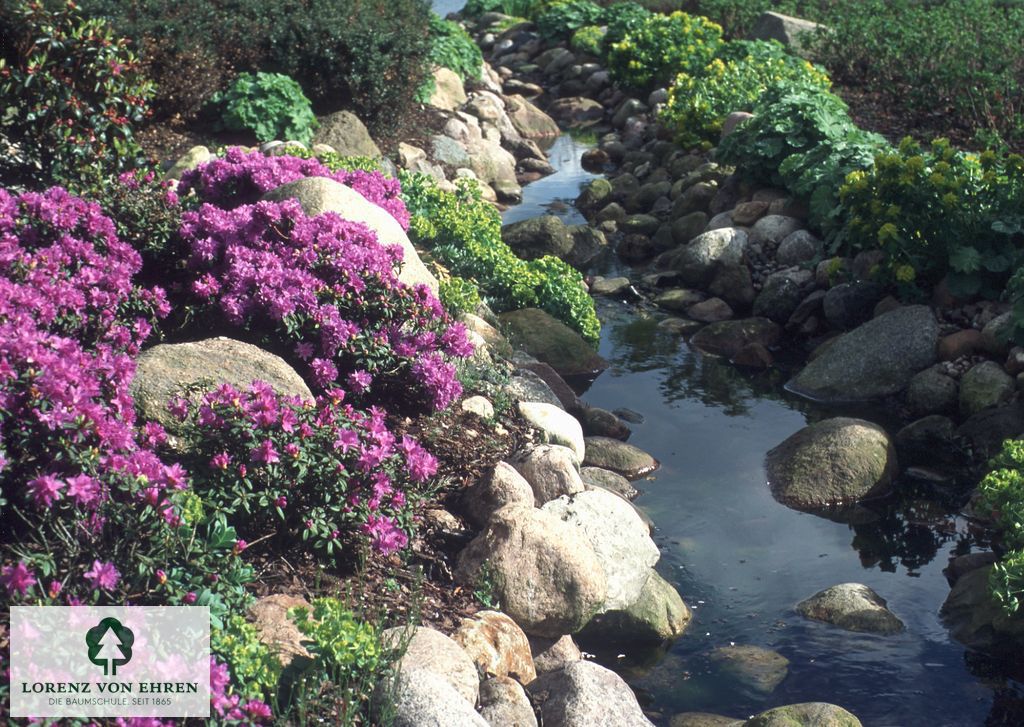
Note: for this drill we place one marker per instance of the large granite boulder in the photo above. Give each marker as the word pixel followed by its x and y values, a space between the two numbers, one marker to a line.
pixel 808 714
pixel 793 33
pixel 873 360
pixel 497 646
pixel 752 669
pixel 835 462
pixel 449 93
pixel 550 470
pixel 546 575
pixel 538 236
pixel 619 538
pixel 347 135
pixel 431 651
pixel 503 703
pixel 625 459
pixel 320 194
pixel 555 425
pixel 584 693
pixel 530 121
pixel 421 698
pixel 169 370
pixel 659 614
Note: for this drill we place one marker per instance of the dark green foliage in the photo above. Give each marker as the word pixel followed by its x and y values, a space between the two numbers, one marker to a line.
pixel 369 56
pixel 71 95
pixel 562 19
pixel 267 105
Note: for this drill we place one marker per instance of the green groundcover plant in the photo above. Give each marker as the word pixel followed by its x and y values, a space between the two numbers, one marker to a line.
pixel 269 106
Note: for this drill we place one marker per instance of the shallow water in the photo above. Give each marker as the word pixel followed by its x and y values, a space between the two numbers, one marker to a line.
pixel 742 561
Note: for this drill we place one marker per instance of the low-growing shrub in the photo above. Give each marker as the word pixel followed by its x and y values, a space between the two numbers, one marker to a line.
pixel 562 19
pixel 938 212
pixel 451 47
pixel 622 19
pixel 661 47
pixel 589 39
pixel 1001 495
pixel 355 658
pixel 72 93
pixel 267 105
pixel 459 295
pixel 699 102
pixel 464 233
pixel 327 473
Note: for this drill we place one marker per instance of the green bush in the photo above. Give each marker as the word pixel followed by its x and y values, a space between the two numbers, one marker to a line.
pixel 267 105
pixel 589 39
pixel 451 47
pixel 623 18
pixel 562 19
pixel 698 103
pixel 662 47
pixel 459 295
pixel 1001 495
pixel 369 56
pixel 938 212
pixel 72 93
pixel 252 664
pixel 464 233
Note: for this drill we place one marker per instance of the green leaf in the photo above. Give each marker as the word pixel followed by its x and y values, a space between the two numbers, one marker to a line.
pixel 965 259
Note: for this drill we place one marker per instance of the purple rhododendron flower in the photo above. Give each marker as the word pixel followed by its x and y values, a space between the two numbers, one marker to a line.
pixel 17 578
pixel 103 576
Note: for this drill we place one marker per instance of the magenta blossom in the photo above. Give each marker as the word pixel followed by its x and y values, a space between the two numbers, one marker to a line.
pixel 17 578
pixel 103 576
pixel 264 453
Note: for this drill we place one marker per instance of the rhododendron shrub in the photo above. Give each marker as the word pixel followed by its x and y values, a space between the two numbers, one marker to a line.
pixel 241 177
pixel 324 292
pixel 321 471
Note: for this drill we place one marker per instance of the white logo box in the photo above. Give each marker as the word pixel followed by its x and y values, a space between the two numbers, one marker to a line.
pixel 110 661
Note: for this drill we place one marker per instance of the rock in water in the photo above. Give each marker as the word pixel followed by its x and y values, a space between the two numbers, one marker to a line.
pixel 835 462
pixel 851 606
pixel 552 342
pixel 874 360
pixel 808 714
pixel 625 459
pixel 752 668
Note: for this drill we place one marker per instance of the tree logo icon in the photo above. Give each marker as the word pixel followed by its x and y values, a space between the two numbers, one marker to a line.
pixel 110 645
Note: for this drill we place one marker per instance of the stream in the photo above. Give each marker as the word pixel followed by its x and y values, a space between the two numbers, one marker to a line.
pixel 742 561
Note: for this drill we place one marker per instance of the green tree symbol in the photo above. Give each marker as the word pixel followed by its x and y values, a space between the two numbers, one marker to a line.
pixel 110 645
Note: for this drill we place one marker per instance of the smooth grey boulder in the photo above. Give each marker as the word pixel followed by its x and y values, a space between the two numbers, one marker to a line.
pixel 608 480
pixel 791 32
pixel 552 342
pixel 619 538
pixel 320 194
pixel 847 305
pixel 348 136
pixel 526 385
pixel 778 299
pixel 835 462
pixel 550 470
pixel 807 714
pixel 797 247
pixel 169 370
pixel 851 606
pixel 874 360
pixel 556 426
pixel 932 392
pixel 658 614
pixel 420 698
pixel 503 703
pixel 189 160
pixel 431 651
pixel 985 385
pixel 538 236
pixel 501 486
pixel 753 669
pixel 698 261
pixel 773 229
pixel 552 654
pixel 547 577
pixel 727 338
pixel 584 694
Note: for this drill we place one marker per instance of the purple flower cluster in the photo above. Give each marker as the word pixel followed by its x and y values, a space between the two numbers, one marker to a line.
pixel 229 707
pixel 241 177
pixel 329 289
pixel 317 469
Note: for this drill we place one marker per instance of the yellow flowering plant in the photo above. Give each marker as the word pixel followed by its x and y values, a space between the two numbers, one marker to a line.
pixel 663 46
pixel 937 212
pixel 698 102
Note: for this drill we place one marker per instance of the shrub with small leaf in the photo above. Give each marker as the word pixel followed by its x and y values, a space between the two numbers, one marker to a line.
pixel 269 106
pixel 562 19
pixel 72 94
pixel 589 39
pixel 1001 496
